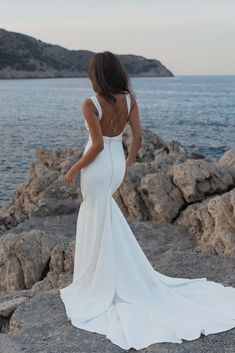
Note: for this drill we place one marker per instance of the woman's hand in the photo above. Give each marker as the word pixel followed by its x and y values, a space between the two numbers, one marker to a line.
pixel 69 177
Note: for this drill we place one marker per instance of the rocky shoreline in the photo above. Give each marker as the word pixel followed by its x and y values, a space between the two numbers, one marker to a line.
pixel 181 208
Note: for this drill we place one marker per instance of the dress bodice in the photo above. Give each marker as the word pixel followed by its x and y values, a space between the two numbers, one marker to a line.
pixel 98 107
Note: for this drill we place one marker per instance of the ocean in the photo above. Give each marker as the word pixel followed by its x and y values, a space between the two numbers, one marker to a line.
pixel 198 111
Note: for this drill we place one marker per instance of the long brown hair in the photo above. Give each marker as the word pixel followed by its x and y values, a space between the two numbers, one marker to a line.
pixel 108 76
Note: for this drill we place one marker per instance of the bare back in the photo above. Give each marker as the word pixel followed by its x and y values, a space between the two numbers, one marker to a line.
pixel 113 117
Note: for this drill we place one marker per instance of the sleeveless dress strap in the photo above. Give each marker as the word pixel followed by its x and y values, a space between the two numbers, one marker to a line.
pixel 97 105
pixel 128 100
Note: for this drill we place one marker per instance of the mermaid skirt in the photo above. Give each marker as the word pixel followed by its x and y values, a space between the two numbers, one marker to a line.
pixel 115 290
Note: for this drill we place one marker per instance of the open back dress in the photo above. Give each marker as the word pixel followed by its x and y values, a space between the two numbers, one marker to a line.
pixel 115 290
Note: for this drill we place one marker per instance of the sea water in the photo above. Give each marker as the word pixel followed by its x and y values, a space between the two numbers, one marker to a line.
pixel 198 111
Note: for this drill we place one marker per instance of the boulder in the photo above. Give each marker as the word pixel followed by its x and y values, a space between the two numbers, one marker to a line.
pixel 212 222
pixel 161 197
pixel 24 258
pixel 227 160
pixel 45 192
pixel 198 179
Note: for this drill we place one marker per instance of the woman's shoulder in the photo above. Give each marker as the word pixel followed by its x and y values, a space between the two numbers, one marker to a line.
pixel 87 101
pixel 90 104
pixel 132 99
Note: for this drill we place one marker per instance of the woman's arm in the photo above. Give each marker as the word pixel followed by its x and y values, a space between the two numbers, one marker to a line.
pixel 136 131
pixel 96 137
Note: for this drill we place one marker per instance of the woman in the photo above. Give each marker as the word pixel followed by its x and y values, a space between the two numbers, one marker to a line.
pixel 115 291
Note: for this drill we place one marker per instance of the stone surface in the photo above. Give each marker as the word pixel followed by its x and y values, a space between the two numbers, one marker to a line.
pixel 180 207
pixel 41 322
pixel 227 160
pixel 198 179
pixel 213 223
pixel 37 247
pixel 7 307
pixel 45 192
pixel 161 197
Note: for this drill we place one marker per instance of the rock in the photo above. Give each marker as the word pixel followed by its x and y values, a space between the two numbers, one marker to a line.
pixel 57 259
pixel 7 307
pixel 198 178
pixel 176 147
pixel 69 257
pixel 161 197
pixel 164 184
pixel 227 160
pixel 163 161
pixel 150 143
pixel 196 155
pixel 181 211
pixel 170 249
pixel 49 282
pixel 24 258
pixel 62 259
pixel 38 253
pixel 10 216
pixel 44 193
pixel 130 198
pixel 213 223
pixel 9 301
pixel 11 272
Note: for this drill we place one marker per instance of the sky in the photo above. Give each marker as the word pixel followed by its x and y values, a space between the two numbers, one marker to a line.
pixel 189 37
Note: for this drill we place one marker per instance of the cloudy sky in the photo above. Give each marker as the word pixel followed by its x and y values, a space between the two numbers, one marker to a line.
pixel 190 37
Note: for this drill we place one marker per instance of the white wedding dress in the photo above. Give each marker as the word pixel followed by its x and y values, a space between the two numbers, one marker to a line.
pixel 115 290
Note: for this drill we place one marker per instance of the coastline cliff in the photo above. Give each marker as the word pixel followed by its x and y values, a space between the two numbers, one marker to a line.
pixel 22 56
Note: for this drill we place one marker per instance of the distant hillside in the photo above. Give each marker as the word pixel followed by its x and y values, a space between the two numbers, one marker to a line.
pixel 22 56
